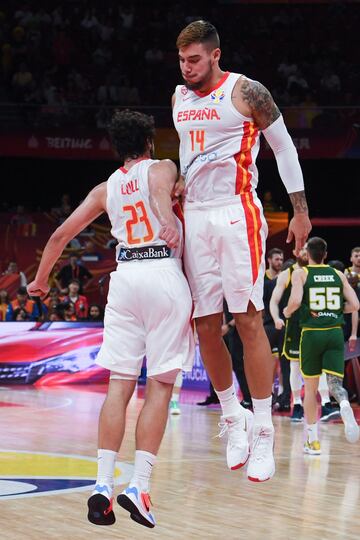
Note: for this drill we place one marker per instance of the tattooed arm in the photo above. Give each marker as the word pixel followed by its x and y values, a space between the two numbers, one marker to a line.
pixel 255 101
pixel 261 105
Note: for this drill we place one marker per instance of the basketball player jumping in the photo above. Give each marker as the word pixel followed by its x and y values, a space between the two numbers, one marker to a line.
pixel 148 309
pixel 219 117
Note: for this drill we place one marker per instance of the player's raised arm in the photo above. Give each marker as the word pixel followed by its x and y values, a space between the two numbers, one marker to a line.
pixel 268 118
pixel 162 178
pixel 93 205
pixel 297 290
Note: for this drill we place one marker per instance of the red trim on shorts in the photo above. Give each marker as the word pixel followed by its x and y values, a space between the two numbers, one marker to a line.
pixel 243 158
pixel 222 80
pixel 253 228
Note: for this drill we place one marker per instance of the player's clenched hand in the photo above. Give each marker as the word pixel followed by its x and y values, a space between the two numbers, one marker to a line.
pixel 299 227
pixel 352 343
pixel 286 312
pixel 279 324
pixel 170 234
pixel 38 288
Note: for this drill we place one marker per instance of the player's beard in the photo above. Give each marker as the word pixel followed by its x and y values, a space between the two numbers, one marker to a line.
pixel 200 84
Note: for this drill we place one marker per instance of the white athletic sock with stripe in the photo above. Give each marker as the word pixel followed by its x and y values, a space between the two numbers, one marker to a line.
pixel 312 432
pixel 324 389
pixel 229 402
pixel 105 474
pixel 144 462
pixel 262 411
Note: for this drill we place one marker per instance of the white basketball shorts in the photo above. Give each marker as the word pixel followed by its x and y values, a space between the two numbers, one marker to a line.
pixel 148 313
pixel 225 253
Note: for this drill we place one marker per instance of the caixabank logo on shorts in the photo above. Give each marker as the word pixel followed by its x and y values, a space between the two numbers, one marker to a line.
pixel 31 474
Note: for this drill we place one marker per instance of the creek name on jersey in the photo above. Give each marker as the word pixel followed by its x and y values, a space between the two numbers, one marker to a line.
pixel 190 115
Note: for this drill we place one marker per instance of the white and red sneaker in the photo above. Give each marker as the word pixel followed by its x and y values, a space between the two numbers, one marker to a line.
pixel 137 503
pixel 238 429
pixel 261 465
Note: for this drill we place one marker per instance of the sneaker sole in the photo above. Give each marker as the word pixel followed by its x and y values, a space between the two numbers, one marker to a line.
pixel 135 513
pixel 296 420
pixel 352 431
pixel 175 413
pixel 98 505
pixel 312 452
pixel 332 416
pixel 236 467
pixel 258 480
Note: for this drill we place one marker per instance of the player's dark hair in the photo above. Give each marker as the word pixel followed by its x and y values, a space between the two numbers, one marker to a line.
pixel 316 248
pixel 199 32
pixel 130 133
pixel 274 251
pixel 338 265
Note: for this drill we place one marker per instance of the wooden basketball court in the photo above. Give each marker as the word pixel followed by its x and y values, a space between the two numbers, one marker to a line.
pixel 49 434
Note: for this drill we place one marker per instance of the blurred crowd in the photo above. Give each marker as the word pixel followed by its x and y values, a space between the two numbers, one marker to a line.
pixel 81 53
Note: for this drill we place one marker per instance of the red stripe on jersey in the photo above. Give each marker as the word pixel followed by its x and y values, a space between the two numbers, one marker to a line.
pixel 220 82
pixel 253 227
pixel 243 158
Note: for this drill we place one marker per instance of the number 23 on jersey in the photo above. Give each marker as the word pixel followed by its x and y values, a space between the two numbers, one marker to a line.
pixel 137 215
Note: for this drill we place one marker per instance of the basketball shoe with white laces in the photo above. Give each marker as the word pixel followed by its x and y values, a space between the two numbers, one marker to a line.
pixel 238 429
pixel 350 424
pixel 261 465
pixel 137 503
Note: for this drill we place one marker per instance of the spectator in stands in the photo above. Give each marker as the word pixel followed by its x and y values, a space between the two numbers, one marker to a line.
pixel 79 301
pixel 90 253
pixel 53 298
pixel 20 314
pixel 22 82
pixel 23 301
pixel 73 270
pixel 4 304
pixel 96 313
pixel 13 269
pixel 20 218
pixel 65 209
pixel 69 312
pixel 269 204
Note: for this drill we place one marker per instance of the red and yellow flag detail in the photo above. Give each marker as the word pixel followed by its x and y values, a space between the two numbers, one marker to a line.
pixel 253 227
pixel 243 159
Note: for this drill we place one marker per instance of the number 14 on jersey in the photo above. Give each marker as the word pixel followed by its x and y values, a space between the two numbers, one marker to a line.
pixel 197 140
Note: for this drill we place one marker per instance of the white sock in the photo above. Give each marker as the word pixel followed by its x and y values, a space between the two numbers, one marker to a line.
pixel 280 389
pixel 105 473
pixel 296 381
pixel 324 389
pixel 344 403
pixel 229 402
pixel 175 397
pixel 297 400
pixel 312 432
pixel 262 411
pixel 144 462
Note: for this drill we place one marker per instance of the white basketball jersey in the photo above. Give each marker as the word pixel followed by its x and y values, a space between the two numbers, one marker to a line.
pixel 218 145
pixel 134 225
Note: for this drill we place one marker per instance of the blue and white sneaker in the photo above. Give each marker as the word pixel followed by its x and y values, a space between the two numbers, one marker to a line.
pixel 138 504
